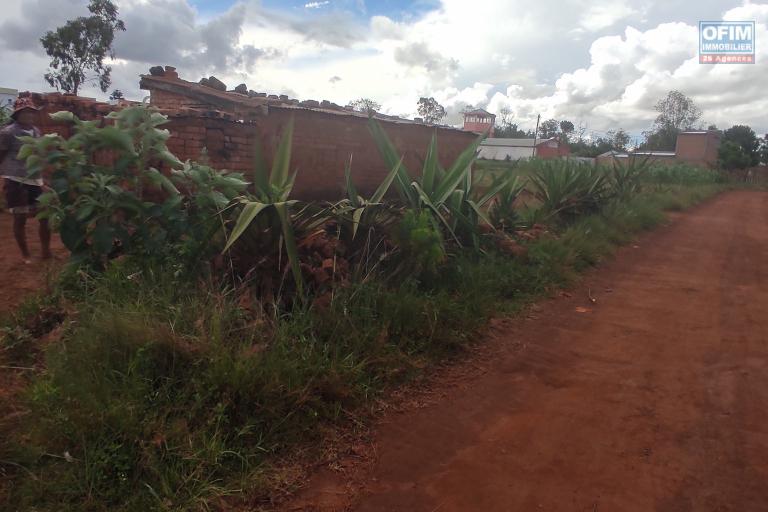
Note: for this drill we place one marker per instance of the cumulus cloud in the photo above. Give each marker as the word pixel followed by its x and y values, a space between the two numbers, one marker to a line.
pixel 603 62
pixel 420 55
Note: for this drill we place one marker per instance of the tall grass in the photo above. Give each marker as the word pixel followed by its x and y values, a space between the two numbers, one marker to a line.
pixel 169 397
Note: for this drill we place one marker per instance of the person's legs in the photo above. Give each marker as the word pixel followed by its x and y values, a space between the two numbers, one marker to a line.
pixel 16 201
pixel 20 234
pixel 33 193
pixel 45 238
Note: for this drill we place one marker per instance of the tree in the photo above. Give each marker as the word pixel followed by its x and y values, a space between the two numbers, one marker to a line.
pixel 745 138
pixel 366 105
pixel 661 139
pixel 431 110
pixel 619 139
pixel 548 128
pixel 764 149
pixel 677 112
pixel 512 131
pixel 507 129
pixel 731 156
pixel 117 94
pixel 566 127
pixel 594 147
pixel 81 45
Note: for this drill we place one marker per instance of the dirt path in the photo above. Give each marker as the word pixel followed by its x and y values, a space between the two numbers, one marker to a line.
pixel 655 398
pixel 18 280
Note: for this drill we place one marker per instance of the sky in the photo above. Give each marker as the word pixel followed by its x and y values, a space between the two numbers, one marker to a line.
pixel 602 64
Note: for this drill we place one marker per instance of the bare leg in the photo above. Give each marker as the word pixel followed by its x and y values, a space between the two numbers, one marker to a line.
pixel 19 225
pixel 45 238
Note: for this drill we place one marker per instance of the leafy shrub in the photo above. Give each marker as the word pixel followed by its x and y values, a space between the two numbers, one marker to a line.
pixel 108 197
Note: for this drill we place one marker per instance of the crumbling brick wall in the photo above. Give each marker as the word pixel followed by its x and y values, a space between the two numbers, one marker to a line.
pixel 322 143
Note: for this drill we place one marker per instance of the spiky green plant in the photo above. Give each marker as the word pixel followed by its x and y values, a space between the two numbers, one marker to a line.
pixel 625 178
pixel 449 195
pixel 567 190
pixel 271 208
pixel 502 211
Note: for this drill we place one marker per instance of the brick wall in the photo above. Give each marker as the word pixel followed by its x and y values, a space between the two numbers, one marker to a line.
pixel 552 149
pixel 322 144
pixel 698 148
pixel 487 128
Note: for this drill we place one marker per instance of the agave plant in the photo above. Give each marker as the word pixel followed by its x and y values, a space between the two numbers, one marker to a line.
pixel 625 178
pixel 567 190
pixel 270 211
pixel 448 194
pixel 363 211
pixel 502 212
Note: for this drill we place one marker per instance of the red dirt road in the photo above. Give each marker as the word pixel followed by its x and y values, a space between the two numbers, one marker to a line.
pixel 654 398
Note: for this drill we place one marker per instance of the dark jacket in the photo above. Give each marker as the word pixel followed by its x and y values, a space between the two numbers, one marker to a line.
pixel 9 148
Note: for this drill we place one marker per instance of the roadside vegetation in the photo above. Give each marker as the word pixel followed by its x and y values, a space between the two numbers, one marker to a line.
pixel 209 324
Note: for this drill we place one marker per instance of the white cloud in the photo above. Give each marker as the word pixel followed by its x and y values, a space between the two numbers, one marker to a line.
pixel 604 62
pixel 316 5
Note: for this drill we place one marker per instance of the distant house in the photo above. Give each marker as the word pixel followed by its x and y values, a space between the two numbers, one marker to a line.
pixel 479 121
pixel 692 147
pixel 517 149
pixel 7 97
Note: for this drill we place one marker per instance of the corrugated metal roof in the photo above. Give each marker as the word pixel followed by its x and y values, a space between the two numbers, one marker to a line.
pixel 6 90
pixel 514 143
pixel 504 152
pixel 639 153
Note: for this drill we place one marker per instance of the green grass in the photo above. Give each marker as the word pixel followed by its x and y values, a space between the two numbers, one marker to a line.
pixel 163 395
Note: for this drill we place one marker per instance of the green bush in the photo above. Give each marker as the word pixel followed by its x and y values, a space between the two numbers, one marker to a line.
pixel 108 198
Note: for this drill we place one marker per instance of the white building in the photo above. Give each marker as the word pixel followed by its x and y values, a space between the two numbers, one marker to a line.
pixel 7 97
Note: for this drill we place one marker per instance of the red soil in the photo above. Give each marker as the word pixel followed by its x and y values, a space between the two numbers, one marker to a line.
pixel 17 279
pixel 654 397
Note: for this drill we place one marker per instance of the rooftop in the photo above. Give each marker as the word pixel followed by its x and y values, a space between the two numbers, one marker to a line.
pixel 514 143
pixel 212 97
pixel 479 112
pixel 617 154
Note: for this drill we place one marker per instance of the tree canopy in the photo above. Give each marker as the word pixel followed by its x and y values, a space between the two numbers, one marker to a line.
pixel 82 45
pixel 366 105
pixel 548 128
pixel 507 129
pixel 677 112
pixel 431 110
pixel 731 156
pixel 744 137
